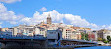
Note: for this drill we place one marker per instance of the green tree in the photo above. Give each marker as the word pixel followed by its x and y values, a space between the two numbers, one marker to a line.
pixel 108 38
pixel 84 36
pixel 105 41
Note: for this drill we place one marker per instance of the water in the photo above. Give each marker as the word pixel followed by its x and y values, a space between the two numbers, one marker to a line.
pixel 96 47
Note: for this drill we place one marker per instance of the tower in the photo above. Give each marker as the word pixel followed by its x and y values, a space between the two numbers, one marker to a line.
pixel 49 21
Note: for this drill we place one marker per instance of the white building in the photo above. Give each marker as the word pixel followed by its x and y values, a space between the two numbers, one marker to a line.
pixel 40 31
pixel 107 33
pixel 24 30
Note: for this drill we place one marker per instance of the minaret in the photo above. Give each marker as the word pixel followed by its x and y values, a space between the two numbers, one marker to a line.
pixel 49 21
pixel 42 23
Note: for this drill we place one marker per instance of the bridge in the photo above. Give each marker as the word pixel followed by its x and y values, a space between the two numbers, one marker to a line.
pixel 40 41
pixel 76 43
pixel 22 41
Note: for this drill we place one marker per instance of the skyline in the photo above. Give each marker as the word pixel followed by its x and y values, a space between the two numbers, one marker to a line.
pixel 86 14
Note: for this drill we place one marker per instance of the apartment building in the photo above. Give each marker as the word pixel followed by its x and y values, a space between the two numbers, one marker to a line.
pixel 24 30
pixel 101 33
pixel 70 33
pixel 6 31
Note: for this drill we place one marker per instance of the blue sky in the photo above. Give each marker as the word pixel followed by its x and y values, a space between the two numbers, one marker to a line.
pixel 97 12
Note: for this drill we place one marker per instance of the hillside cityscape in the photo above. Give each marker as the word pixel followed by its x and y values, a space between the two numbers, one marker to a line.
pixel 52 30
pixel 55 24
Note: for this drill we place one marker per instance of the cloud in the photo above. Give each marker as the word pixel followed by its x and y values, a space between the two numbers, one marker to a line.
pixel 64 18
pixel 109 27
pixel 37 17
pixel 58 18
pixel 8 16
pixel 106 27
pixel 10 1
pixel 76 20
pixel 43 9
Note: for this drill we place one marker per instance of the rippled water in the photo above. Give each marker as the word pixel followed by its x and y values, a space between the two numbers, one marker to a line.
pixel 96 47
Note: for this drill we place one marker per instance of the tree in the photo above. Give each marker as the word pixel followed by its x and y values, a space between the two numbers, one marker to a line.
pixel 84 36
pixel 105 41
pixel 108 38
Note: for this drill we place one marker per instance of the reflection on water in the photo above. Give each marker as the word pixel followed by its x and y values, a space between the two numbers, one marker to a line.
pixel 96 47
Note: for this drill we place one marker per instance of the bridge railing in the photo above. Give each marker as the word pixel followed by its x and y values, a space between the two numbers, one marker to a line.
pixel 78 45
pixel 21 37
pixel 80 40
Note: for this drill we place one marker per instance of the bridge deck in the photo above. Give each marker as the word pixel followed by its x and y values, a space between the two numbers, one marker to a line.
pixel 23 37
pixel 74 40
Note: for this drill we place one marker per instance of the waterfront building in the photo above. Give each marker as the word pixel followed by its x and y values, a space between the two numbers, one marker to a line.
pixel 76 35
pixel 24 30
pixel 66 33
pixel 91 36
pixel 101 33
pixel 37 31
pixel 70 33
pixel 40 31
pixel 95 33
pixel 6 31
pixel 107 33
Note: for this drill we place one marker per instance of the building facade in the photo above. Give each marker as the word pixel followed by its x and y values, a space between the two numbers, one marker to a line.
pixel 101 33
pixel 107 33
pixel 6 31
pixel 24 30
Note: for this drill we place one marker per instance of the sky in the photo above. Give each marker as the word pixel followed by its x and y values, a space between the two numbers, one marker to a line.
pixel 95 14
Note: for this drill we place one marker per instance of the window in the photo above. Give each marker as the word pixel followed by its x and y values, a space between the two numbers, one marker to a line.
pixel 51 32
pixel 30 32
